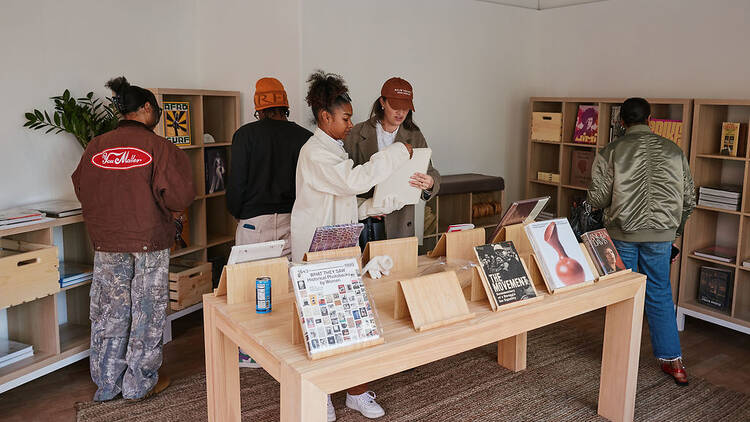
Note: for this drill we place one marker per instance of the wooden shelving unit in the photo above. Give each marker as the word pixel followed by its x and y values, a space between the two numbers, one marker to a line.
pixel 60 335
pixel 708 226
pixel 555 157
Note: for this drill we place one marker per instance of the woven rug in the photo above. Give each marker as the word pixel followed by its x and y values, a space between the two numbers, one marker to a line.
pixel 560 384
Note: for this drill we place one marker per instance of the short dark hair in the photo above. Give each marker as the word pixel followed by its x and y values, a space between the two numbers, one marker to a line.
pixel 327 90
pixel 379 113
pixel 129 98
pixel 635 110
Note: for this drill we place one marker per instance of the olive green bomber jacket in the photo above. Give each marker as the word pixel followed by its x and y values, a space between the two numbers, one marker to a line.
pixel 643 183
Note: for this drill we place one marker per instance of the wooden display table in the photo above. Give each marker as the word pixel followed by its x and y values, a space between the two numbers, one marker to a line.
pixel 305 383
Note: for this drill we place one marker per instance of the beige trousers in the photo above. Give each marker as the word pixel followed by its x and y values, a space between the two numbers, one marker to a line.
pixel 265 228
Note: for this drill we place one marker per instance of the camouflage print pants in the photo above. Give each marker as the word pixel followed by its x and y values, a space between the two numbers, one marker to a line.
pixel 129 296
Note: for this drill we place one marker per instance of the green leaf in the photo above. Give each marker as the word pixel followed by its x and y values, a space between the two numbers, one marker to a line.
pixel 38 114
pixel 66 95
pixel 47 116
pixel 50 129
pixel 30 116
pixel 57 118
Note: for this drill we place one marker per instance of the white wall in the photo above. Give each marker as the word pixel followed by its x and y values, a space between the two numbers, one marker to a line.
pixel 49 45
pixel 665 48
pixel 467 62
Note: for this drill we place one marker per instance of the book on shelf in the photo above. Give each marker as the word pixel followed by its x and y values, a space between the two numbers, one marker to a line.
pixel 333 306
pixel 503 274
pixel 724 191
pixel 666 128
pixel 13 351
pixel 74 273
pixel 580 167
pixel 19 215
pixel 715 198
pixel 177 122
pixel 336 237
pixel 57 208
pixel 746 263
pixel 718 204
pixel 715 287
pixel 587 125
pixel 216 169
pixel 616 129
pixel 559 254
pixel 603 251
pixel 730 136
pixel 718 253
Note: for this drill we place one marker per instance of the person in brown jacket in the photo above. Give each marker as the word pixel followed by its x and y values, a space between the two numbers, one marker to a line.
pixel 131 183
pixel 391 121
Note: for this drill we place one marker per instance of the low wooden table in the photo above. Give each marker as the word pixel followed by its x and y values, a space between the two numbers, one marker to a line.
pixel 305 383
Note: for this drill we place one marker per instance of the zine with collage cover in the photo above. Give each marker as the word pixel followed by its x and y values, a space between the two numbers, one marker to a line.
pixel 333 304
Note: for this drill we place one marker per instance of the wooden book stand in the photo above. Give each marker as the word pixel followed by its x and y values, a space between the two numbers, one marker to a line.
pixel 238 280
pixel 432 301
pixel 403 251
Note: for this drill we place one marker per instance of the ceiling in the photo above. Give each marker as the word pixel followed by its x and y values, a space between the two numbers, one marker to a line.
pixel 540 4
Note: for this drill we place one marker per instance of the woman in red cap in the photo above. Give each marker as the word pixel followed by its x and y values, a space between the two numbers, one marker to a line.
pixel 391 121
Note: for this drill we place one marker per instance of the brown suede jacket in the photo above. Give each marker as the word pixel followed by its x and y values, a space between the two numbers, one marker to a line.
pixel 129 182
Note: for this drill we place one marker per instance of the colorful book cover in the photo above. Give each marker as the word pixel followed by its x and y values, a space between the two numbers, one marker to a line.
pixel 216 169
pixel 715 287
pixel 730 135
pixel 587 125
pixel 333 305
pixel 580 167
pixel 616 129
pixel 503 273
pixel 603 251
pixel 177 122
pixel 336 237
pixel 524 211
pixel 560 256
pixel 670 129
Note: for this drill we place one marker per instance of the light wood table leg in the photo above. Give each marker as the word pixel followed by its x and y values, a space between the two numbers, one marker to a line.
pixel 301 401
pixel 511 352
pixel 222 372
pixel 622 344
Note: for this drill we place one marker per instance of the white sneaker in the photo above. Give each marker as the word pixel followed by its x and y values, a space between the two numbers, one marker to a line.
pixel 246 361
pixel 366 405
pixel 331 410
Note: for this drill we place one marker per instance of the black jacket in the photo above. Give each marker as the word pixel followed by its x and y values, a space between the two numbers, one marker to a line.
pixel 263 167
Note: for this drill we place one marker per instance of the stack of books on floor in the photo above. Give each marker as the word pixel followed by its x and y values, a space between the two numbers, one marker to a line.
pixel 74 273
pixel 14 216
pixel 13 351
pixel 58 208
pixel 725 197
pixel 717 253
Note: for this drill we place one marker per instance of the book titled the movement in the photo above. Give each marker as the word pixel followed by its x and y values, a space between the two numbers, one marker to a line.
pixel 503 274
pixel 560 257
pixel 603 251
pixel 587 125
pixel 670 129
pixel 333 307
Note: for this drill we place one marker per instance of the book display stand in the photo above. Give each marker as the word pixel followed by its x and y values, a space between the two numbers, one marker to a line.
pixel 432 301
pixel 459 247
pixel 402 251
pixel 238 280
pixel 332 254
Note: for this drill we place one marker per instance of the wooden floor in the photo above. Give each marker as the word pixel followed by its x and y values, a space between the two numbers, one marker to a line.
pixel 717 354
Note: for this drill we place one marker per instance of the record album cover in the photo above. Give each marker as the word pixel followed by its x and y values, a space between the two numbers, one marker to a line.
pixel 587 125
pixel 177 122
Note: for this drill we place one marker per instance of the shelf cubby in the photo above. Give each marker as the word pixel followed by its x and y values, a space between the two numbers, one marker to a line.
pixel 741 305
pixel 220 117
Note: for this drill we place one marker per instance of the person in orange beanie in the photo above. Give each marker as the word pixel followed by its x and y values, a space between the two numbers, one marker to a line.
pixel 261 182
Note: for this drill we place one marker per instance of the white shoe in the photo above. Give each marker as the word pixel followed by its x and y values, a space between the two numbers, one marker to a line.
pixel 331 410
pixel 246 361
pixel 366 405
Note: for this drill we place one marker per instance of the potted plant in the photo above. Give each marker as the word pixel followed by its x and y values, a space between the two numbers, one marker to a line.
pixel 84 117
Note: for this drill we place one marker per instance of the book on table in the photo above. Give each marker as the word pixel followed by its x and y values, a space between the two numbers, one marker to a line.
pixel 335 237
pixel 603 251
pixel 715 287
pixel 255 251
pixel 334 307
pixel 718 253
pixel 521 212
pixel 14 351
pixel 57 208
pixel 503 274
pixel 559 254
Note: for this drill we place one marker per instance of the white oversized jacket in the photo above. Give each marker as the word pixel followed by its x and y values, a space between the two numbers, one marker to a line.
pixel 327 185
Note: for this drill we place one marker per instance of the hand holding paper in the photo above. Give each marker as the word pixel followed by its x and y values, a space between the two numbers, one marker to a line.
pixel 390 203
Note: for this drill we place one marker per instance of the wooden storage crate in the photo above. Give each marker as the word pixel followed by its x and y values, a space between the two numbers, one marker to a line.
pixel 28 271
pixel 546 126
pixel 187 287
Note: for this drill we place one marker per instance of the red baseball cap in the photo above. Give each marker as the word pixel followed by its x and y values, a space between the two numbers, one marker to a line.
pixel 399 94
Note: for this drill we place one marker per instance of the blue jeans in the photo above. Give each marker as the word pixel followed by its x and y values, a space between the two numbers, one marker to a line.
pixel 653 260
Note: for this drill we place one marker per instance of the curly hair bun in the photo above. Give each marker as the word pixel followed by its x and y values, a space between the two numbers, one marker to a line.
pixel 326 90
pixel 118 85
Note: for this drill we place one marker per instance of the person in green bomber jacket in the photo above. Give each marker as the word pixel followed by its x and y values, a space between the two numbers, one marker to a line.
pixel 643 183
